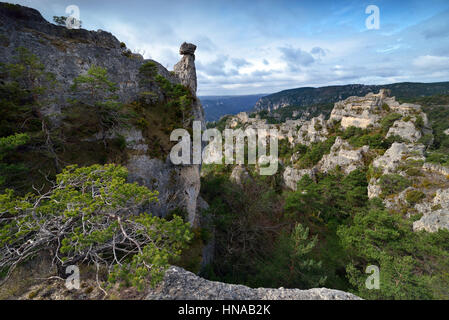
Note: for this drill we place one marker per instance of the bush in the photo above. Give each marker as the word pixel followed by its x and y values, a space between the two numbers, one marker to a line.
pixel 379 238
pixel 315 153
pixel 388 121
pixel 91 215
pixel 419 122
pixel 414 196
pixel 439 158
pixel 392 184
pixel 291 264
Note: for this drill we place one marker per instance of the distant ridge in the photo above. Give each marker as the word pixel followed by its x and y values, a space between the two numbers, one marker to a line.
pixel 307 96
pixel 218 106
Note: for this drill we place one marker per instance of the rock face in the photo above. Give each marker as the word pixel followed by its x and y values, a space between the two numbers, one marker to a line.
pixel 359 112
pixel 239 175
pixel 435 214
pixel 314 130
pixel 396 154
pixel 343 156
pixel 389 162
pixel 68 53
pixel 292 176
pixel 181 284
pixel 406 130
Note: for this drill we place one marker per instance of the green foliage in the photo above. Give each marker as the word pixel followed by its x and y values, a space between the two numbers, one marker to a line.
pixel 426 139
pixel 285 151
pixel 11 142
pixel 245 219
pixel 7 144
pixel 419 122
pixel 439 158
pixel 393 184
pixel 291 264
pixel 315 152
pixel 91 215
pixel 358 137
pixel 100 93
pixel 388 121
pixel 414 196
pixel 403 257
pixel 411 167
pixel 23 87
pixel 148 71
pixel 374 141
pixel 332 197
pixel 60 21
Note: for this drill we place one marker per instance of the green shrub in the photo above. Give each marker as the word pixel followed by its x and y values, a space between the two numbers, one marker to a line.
pixel 386 107
pixel 414 196
pixel 90 215
pixel 419 122
pixel 291 264
pixel 393 184
pixel 385 240
pixel 388 121
pixel 315 153
pixel 439 158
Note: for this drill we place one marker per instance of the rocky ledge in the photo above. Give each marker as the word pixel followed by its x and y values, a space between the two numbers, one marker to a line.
pixel 181 284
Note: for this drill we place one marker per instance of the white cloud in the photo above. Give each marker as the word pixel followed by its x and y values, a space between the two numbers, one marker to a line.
pixel 429 62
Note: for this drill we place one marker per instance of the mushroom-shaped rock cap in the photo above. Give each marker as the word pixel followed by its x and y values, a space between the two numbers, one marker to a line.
pixel 187 48
pixel 384 93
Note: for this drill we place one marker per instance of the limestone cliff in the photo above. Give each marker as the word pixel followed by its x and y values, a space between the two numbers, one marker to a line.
pixel 69 53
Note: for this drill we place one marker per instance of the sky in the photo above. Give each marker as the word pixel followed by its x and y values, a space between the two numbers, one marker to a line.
pixel 263 46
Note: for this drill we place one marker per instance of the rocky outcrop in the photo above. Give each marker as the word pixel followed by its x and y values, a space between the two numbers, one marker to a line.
pixel 396 154
pixel 181 284
pixel 312 131
pixel 292 176
pixel 359 112
pixel 433 167
pixel 185 69
pixel 344 156
pixel 435 214
pixel 406 130
pixel 239 175
pixel 389 162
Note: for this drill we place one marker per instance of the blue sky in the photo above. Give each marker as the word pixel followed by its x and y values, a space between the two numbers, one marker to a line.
pixel 257 46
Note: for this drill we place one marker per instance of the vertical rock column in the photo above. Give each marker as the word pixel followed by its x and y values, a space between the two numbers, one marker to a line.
pixel 185 71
